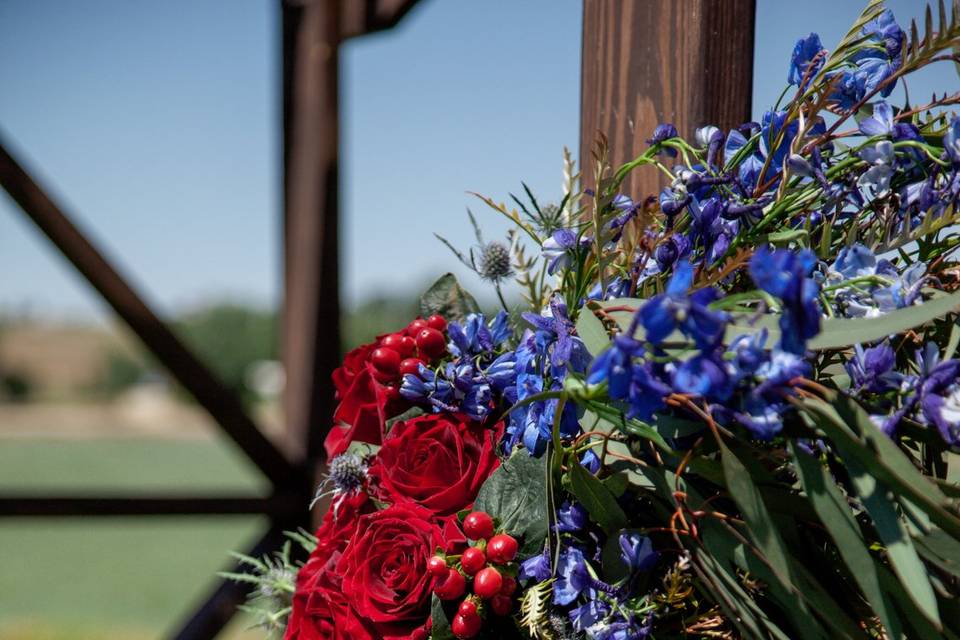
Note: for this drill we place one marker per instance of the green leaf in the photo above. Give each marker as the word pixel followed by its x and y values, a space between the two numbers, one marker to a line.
pixel 516 493
pixel 597 499
pixel 900 550
pixel 940 549
pixel 440 623
pixel 591 331
pixel 409 414
pixel 745 493
pixel 447 298
pixel 835 514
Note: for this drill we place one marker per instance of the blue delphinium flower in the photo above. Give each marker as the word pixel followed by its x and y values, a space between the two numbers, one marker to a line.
pixel 475 337
pixel 664 131
pixel 676 309
pixel 637 552
pixel 558 250
pixel 951 140
pixel 776 136
pixel 882 159
pixel 872 369
pixel 556 334
pixel 785 274
pixel 940 400
pixel 572 576
pixel 807 60
pixel 704 375
pixel 571 517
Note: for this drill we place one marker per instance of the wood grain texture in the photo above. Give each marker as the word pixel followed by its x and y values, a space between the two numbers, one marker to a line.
pixel 689 62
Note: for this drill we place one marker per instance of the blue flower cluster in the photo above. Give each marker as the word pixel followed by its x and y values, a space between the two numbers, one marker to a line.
pixel 745 381
pixel 479 375
pixel 601 610
pixel 546 354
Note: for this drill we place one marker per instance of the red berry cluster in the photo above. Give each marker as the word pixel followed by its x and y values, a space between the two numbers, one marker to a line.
pixel 401 353
pixel 493 586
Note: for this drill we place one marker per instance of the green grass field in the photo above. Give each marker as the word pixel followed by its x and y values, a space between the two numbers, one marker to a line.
pixel 113 577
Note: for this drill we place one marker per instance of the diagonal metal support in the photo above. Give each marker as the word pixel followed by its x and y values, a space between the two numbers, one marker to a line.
pixel 222 603
pixel 196 378
pixel 279 505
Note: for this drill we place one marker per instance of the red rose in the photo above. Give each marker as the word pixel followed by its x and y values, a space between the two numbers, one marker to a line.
pixel 365 404
pixel 384 569
pixel 437 461
pixel 353 363
pixel 320 609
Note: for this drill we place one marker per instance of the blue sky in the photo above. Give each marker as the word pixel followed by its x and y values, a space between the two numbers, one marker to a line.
pixel 157 125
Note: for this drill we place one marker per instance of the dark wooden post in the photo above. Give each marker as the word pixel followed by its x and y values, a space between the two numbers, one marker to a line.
pixel 311 316
pixel 689 62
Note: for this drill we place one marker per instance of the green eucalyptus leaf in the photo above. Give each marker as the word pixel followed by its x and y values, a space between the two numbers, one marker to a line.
pixel 447 298
pixel 516 493
pixel 440 621
pixel 831 506
pixel 596 499
pixel 591 332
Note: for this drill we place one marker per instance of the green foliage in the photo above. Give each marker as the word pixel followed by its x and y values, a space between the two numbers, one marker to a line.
pixel 516 494
pixel 447 298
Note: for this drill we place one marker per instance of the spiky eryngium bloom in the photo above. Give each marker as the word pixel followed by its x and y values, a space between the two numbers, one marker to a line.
pixel 535 611
pixel 273 579
pixel 494 264
pixel 347 474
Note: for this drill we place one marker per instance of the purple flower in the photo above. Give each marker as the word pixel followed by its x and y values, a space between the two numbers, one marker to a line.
pixel 571 517
pixel 557 331
pixel 664 131
pixel 806 60
pixel 675 309
pixel 873 369
pixel 703 375
pixel 940 400
pixel 951 140
pixel 774 125
pixel 637 552
pixel 558 249
pixel 785 274
pixel 668 252
pixel 572 576
pixel 536 567
pixel 880 123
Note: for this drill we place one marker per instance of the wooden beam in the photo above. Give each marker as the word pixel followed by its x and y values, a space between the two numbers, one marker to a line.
pixel 63 505
pixel 190 372
pixel 311 314
pixel 220 605
pixel 687 62
pixel 360 17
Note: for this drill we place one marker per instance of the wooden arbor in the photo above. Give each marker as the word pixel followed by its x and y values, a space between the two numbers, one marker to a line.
pixel 644 61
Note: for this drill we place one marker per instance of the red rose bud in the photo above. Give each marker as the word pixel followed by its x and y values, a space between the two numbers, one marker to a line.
pixel 487 583
pixel 473 560
pixel 411 366
pixel 437 322
pixel 466 626
pixel 452 587
pixel 431 343
pixel 501 605
pixel 478 525
pixel 502 548
pixel 437 565
pixel 509 586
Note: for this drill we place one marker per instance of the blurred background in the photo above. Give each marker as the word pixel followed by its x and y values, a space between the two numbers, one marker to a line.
pixel 157 124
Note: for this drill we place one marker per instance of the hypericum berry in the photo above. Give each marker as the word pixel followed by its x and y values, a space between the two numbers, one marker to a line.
pixel 416 326
pixel 466 626
pixel 487 583
pixel 431 343
pixel 468 607
pixel 385 359
pixel 478 525
pixel 509 586
pixel 472 560
pixel 501 605
pixel 411 366
pixel 404 345
pixel 437 322
pixel 451 587
pixel 502 548
pixel 391 392
pixel 437 565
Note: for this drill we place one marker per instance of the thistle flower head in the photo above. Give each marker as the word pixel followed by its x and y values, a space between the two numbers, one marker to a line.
pixel 494 264
pixel 347 473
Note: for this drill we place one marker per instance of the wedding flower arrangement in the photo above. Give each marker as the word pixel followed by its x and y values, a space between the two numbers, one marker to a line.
pixel 731 409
